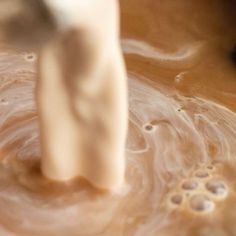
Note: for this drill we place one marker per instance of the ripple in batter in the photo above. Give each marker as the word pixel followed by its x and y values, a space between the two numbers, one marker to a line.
pixel 159 163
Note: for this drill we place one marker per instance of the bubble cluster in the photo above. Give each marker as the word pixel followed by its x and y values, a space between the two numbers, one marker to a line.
pixel 200 191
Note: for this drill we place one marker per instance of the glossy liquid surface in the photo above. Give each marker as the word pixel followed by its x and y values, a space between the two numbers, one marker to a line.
pixel 181 145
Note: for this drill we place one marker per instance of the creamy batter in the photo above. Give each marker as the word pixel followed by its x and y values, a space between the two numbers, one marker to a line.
pixel 180 150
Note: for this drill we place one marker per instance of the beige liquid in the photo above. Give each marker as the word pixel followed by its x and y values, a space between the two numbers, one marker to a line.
pixel 180 149
pixel 81 95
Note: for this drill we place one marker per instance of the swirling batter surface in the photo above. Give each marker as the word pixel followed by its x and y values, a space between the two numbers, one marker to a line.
pixel 181 145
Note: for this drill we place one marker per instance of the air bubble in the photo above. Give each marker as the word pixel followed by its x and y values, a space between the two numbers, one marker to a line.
pixel 201 203
pixel 201 174
pixel 3 102
pixel 30 57
pixel 149 127
pixel 210 167
pixel 189 185
pixel 176 199
pixel 216 187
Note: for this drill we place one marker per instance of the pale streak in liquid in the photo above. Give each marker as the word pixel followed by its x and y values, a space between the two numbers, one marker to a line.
pixel 155 160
